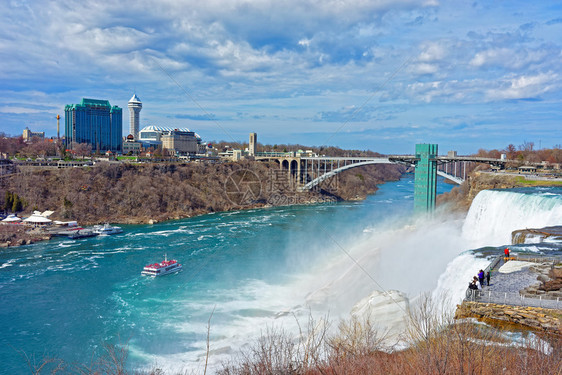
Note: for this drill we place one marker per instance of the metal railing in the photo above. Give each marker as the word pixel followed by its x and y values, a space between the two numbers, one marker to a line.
pixel 553 260
pixel 514 299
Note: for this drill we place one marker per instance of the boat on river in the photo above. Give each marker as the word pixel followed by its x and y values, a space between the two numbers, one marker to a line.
pixel 106 229
pixel 82 233
pixel 165 267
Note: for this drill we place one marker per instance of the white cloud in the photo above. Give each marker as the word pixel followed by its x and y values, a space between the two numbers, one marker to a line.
pixel 19 110
pixel 509 58
pixel 304 42
pixel 243 56
pixel 525 86
pixel 97 40
pixel 432 51
pixel 424 68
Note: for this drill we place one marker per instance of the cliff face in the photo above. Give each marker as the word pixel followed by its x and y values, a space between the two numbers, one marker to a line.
pixel 553 233
pixel 530 317
pixel 127 193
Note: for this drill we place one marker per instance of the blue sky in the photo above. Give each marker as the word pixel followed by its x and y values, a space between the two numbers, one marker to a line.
pixel 366 74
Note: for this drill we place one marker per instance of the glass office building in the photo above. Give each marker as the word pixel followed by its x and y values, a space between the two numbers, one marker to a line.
pixel 94 122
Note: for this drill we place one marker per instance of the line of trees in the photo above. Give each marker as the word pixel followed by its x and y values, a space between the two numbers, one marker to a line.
pixel 13 202
pixel 525 152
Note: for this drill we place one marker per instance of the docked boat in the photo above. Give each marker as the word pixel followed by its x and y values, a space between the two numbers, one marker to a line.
pixel 82 233
pixel 106 229
pixel 163 268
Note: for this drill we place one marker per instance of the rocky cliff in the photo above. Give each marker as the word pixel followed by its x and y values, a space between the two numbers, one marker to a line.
pixel 529 317
pixel 460 197
pixel 131 193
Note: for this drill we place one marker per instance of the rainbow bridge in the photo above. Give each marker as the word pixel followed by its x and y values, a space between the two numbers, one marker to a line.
pixel 310 172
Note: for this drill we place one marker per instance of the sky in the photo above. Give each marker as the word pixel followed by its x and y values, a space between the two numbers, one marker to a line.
pixel 364 74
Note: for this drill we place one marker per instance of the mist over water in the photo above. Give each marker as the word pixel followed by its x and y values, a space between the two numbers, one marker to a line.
pixel 250 270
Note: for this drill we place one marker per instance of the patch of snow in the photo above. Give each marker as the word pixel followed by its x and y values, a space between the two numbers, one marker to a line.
pixel 514 266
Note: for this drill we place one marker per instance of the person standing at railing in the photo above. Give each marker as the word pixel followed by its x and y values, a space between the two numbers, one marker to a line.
pixel 506 252
pixel 481 277
pixel 476 282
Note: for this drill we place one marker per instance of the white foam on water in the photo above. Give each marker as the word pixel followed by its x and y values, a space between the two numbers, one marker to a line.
pixel 167 233
pixel 376 274
pixel 9 263
pixel 453 282
pixel 67 243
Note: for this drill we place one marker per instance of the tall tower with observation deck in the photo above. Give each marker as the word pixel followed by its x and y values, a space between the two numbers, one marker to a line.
pixel 135 107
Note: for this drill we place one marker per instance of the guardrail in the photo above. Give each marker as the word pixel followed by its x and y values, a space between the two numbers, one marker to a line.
pixel 553 260
pixel 514 299
pixel 493 264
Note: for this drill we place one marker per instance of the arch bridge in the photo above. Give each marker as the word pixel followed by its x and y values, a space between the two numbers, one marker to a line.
pixel 310 172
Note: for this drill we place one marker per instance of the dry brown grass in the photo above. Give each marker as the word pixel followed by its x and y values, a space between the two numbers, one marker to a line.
pixel 437 345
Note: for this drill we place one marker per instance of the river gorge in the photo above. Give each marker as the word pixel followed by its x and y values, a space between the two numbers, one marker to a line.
pixel 247 271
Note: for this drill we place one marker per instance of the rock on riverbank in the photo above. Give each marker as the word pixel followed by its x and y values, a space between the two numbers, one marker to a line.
pixel 536 318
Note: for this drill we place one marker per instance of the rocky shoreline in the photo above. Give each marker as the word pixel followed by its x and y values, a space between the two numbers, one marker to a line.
pixel 19 235
pixel 549 281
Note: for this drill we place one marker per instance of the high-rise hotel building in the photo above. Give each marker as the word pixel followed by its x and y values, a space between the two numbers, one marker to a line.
pixel 94 122
pixel 135 107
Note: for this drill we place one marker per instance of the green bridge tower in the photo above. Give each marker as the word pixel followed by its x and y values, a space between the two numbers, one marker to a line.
pixel 425 178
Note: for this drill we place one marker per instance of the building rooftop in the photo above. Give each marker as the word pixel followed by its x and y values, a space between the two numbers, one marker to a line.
pixel 92 102
pixel 135 99
pixel 154 128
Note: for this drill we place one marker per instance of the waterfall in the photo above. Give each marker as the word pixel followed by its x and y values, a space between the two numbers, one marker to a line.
pixel 494 214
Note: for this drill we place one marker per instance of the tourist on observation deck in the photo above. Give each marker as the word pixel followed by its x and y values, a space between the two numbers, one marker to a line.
pixel 481 277
pixel 472 285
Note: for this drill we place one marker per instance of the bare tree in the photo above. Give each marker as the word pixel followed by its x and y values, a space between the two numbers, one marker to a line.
pixel 83 149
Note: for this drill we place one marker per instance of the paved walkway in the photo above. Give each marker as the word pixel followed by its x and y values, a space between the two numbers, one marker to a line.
pixel 504 289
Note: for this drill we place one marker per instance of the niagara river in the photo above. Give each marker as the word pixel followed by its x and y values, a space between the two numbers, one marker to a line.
pixel 247 270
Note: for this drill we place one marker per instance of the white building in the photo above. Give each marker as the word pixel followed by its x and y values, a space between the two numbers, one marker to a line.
pixel 179 141
pixel 131 146
pixel 135 107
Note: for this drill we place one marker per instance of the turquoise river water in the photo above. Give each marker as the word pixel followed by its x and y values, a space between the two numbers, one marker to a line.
pixel 244 270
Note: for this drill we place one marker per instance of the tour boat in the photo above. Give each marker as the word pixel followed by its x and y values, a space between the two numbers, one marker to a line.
pixel 82 233
pixel 106 229
pixel 163 268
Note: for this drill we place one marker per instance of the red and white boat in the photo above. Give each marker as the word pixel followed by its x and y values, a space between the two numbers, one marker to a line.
pixel 163 268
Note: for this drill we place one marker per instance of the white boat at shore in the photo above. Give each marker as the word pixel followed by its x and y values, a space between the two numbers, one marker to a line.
pixel 106 229
pixel 165 267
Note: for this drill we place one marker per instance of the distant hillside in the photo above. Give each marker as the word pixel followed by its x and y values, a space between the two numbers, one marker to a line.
pixel 131 193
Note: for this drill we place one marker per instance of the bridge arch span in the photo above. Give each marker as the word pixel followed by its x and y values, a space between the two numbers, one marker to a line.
pixel 334 172
pixel 456 180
